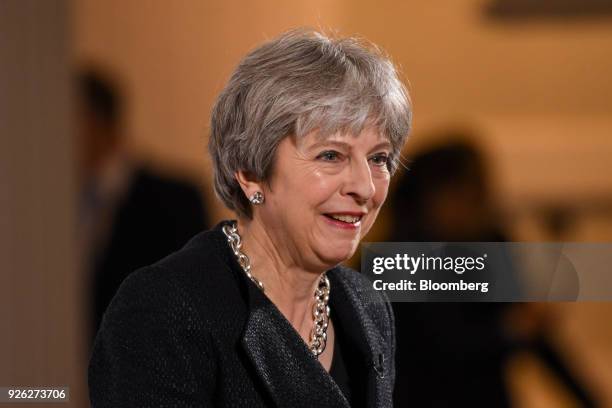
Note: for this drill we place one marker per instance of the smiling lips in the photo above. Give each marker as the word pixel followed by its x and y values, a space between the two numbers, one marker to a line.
pixel 347 220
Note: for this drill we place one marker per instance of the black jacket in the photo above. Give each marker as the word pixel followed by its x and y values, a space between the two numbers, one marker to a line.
pixel 193 331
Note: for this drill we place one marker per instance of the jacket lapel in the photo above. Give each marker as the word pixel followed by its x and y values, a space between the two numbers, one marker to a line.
pixel 287 367
pixel 282 360
pixel 348 306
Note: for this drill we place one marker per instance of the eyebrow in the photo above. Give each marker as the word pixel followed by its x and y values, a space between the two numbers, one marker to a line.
pixel 385 144
pixel 344 145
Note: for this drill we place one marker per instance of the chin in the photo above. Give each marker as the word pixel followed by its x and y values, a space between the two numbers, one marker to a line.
pixel 338 255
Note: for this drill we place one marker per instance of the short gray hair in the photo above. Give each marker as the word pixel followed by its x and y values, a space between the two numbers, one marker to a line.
pixel 297 83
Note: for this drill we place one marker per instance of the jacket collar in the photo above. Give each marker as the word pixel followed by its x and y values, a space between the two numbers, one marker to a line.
pixel 283 361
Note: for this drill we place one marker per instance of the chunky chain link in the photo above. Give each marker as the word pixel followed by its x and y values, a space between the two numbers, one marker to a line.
pixel 235 242
pixel 320 310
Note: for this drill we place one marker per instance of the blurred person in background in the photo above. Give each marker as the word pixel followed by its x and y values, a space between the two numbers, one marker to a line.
pixel 130 215
pixel 455 354
pixel 259 311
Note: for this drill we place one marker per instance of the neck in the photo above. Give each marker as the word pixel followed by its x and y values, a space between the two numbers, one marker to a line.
pixel 288 285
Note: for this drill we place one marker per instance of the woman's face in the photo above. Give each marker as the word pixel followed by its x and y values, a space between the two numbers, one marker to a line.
pixel 324 195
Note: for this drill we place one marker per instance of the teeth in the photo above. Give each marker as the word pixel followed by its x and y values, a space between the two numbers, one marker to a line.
pixel 346 218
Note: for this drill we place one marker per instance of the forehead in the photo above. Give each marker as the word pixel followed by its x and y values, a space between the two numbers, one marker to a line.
pixel 369 136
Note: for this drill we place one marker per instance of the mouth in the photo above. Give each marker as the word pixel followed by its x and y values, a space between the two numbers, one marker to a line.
pixel 345 220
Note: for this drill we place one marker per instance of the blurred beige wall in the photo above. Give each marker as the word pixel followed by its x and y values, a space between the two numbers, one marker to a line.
pixel 40 285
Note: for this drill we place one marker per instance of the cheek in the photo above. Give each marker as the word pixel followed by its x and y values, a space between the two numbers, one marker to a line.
pixel 379 197
pixel 298 198
pixel 315 188
pixel 381 190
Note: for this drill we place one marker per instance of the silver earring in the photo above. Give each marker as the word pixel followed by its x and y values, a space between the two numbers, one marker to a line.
pixel 257 198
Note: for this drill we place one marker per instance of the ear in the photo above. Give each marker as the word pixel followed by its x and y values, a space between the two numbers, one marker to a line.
pixel 248 183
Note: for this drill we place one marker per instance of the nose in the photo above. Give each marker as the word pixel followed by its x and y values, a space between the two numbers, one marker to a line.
pixel 359 183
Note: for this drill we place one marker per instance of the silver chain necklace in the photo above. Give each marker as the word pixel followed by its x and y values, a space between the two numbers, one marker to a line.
pixel 320 310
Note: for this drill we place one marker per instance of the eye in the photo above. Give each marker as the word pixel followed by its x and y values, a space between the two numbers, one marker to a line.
pixel 329 155
pixel 380 159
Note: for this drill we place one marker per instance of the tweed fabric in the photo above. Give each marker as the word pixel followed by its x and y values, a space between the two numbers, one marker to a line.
pixel 193 331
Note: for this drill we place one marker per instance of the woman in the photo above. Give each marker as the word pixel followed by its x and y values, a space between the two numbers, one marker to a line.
pixel 258 312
